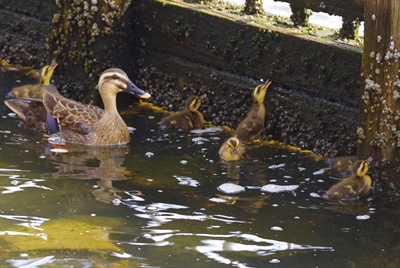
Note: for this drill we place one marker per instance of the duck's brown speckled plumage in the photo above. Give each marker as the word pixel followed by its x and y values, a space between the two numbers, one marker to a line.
pixel 88 124
pixel 357 185
pixel 251 127
pixel 187 120
pixel 32 113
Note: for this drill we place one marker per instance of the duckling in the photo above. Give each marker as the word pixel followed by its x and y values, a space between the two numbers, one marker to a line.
pixel 232 149
pixel 250 128
pixel 187 120
pixel 342 164
pixel 82 123
pixel 34 91
pixel 358 184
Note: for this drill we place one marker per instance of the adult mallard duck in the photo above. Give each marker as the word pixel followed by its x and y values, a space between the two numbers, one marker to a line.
pixel 232 150
pixel 75 122
pixel 250 128
pixel 34 91
pixel 357 185
pixel 187 120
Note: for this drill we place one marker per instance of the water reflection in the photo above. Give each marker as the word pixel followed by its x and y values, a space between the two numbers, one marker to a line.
pixel 214 248
pixel 27 221
pixel 102 163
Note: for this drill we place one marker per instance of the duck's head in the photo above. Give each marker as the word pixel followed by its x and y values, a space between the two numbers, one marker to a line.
pixel 360 167
pixel 193 102
pixel 115 80
pixel 233 144
pixel 260 91
pixel 46 72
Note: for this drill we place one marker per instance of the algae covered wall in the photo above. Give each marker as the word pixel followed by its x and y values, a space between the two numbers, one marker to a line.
pixel 174 49
pixel 188 50
pixel 24 27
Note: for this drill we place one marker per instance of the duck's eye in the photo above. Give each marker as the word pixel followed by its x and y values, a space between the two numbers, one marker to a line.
pixel 115 76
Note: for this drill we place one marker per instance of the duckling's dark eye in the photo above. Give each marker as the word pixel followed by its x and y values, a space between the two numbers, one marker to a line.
pixel 115 76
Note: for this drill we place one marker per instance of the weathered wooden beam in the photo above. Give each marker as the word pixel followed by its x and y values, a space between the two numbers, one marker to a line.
pixel 380 132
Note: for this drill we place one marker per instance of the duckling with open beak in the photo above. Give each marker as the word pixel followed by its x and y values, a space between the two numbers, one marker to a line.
pixel 251 127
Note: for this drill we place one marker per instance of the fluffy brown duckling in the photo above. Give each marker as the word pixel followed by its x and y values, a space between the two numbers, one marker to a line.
pixel 187 120
pixel 34 91
pixel 232 149
pixel 357 185
pixel 70 121
pixel 250 128
pixel 342 164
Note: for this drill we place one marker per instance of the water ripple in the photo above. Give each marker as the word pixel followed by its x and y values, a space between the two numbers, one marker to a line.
pixel 27 221
pixel 20 187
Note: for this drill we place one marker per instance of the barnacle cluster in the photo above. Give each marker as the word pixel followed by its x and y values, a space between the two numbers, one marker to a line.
pixel 76 27
pixel 381 97
pixel 231 100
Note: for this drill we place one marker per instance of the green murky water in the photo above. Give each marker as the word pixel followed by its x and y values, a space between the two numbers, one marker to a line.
pixel 157 203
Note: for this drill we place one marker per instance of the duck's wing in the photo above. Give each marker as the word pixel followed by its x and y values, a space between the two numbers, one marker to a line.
pixel 31 112
pixel 70 114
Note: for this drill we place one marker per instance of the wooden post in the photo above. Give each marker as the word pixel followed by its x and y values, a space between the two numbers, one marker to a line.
pixel 379 132
pixel 300 14
pixel 253 7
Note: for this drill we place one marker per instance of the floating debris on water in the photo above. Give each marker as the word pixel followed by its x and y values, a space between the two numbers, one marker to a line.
pixel 362 217
pixel 184 180
pixel 276 166
pixel 274 188
pixel 183 162
pixel 230 188
pixel 315 195
pixel 199 140
pixel 319 172
pixel 207 130
pixel 59 150
pixel 12 115
pixel 131 129
pixel 276 228
pixel 217 200
pixel 121 255
pixel 116 202
pixel 149 154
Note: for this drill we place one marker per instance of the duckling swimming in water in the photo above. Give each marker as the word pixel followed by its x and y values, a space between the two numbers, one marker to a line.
pixel 357 185
pixel 250 128
pixel 232 149
pixel 342 164
pixel 187 120
pixel 34 91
